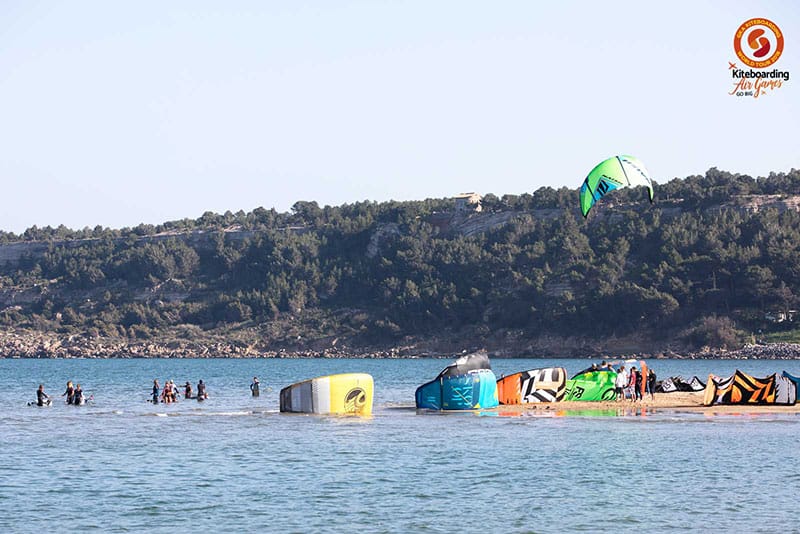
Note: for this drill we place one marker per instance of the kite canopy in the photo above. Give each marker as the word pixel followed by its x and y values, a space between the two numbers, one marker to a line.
pixel 598 384
pixel 591 385
pixel 535 385
pixel 344 394
pixel 678 383
pixel 467 363
pixel 466 384
pixel 613 173
pixel 742 388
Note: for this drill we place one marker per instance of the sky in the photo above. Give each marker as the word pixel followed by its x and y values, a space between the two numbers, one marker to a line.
pixel 121 113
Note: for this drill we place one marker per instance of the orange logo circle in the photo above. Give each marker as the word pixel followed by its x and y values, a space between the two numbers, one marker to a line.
pixel 758 43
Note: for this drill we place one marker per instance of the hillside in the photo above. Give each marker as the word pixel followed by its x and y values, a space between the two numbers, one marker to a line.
pixel 712 263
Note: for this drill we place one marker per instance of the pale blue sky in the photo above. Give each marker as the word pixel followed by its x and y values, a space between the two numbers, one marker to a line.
pixel 118 113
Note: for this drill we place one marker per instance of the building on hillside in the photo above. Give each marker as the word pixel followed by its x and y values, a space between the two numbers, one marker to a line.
pixel 780 316
pixel 468 202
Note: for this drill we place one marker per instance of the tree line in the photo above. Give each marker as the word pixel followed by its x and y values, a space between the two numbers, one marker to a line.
pixel 679 265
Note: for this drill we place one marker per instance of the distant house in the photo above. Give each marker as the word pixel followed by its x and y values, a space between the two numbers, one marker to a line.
pixel 780 316
pixel 468 202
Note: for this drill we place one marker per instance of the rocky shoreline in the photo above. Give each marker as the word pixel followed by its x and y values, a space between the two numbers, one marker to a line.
pixel 33 344
pixel 17 345
pixel 768 351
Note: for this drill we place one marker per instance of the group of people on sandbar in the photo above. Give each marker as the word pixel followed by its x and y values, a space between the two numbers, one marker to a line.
pixel 629 383
pixel 170 392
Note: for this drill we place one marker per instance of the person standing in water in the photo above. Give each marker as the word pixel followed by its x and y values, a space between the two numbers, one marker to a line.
pixel 187 390
pixel 201 391
pixel 77 398
pixel 156 389
pixel 170 391
pixel 42 398
pixel 69 393
pixel 254 387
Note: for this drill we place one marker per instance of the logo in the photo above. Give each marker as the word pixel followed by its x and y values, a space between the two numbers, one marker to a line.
pixel 758 44
pixel 355 400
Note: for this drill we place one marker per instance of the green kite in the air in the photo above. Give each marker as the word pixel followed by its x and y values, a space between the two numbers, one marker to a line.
pixel 613 173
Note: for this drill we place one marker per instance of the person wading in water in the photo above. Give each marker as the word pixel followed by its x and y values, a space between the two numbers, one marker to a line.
pixel 42 398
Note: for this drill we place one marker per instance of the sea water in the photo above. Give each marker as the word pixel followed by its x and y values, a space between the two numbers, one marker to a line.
pixel 234 463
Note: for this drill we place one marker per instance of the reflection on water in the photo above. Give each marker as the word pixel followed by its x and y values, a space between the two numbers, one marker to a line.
pixel 632 411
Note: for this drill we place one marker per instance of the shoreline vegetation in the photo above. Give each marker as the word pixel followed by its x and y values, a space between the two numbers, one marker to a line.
pixel 707 271
pixel 18 343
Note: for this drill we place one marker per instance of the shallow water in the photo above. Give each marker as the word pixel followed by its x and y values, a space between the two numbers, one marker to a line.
pixel 233 462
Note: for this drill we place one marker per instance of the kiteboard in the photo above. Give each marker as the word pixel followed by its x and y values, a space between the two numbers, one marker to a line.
pixel 643 371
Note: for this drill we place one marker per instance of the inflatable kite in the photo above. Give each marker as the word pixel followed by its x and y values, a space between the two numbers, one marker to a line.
pixel 345 394
pixel 794 379
pixel 466 384
pixel 596 384
pixel 535 385
pixel 677 383
pixel 591 385
pixel 613 173
pixel 742 388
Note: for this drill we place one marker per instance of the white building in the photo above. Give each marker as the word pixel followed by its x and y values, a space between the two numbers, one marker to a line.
pixel 466 202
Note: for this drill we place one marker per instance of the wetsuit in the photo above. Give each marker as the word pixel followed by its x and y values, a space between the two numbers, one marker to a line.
pixel 187 392
pixel 77 398
pixel 155 394
pixel 632 383
pixel 41 397
pixel 254 389
pixel 201 391
pixel 70 393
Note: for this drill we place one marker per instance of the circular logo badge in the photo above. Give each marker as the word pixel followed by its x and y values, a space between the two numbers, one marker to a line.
pixel 758 43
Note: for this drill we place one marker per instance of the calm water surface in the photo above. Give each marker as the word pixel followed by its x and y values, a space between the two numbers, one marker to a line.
pixel 235 463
